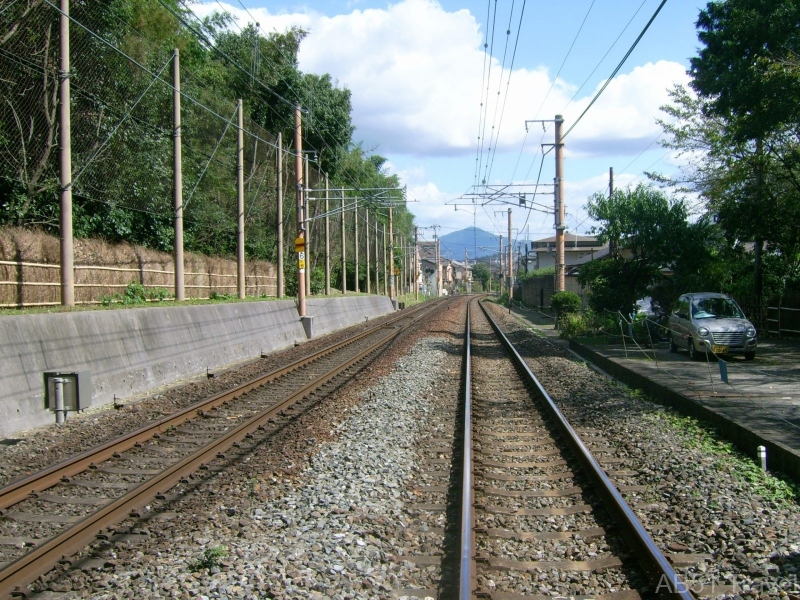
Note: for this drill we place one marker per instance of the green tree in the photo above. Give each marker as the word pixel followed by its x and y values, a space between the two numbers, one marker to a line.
pixel 647 233
pixel 480 272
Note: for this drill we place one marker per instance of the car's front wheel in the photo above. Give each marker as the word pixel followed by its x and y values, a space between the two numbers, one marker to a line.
pixel 693 354
pixel 749 355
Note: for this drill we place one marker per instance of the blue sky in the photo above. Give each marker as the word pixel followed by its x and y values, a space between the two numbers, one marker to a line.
pixel 417 69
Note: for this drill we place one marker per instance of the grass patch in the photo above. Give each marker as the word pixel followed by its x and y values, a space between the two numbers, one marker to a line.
pixel 731 460
pixel 210 558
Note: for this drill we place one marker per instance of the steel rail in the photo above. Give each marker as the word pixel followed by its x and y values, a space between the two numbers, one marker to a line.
pixel 19 490
pixel 15 576
pixel 467 580
pixel 659 571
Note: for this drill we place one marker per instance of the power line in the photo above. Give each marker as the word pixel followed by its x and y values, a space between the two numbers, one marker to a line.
pixel 619 66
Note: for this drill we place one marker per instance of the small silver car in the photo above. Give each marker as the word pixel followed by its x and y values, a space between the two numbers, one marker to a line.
pixel 706 321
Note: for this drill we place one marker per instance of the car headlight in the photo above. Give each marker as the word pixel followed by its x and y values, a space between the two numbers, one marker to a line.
pixel 750 332
pixel 702 331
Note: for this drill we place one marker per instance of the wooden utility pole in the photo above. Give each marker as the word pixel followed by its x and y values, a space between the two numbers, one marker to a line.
pixel 65 162
pixel 240 274
pixel 299 243
pixel 177 182
pixel 327 240
pixel 279 154
pixel 559 212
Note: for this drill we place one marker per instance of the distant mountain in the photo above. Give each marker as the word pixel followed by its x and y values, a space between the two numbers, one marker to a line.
pixel 471 239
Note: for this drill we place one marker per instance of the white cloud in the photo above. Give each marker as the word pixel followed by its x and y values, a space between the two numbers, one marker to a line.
pixel 415 72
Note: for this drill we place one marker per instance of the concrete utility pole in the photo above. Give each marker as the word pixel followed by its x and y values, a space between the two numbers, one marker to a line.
pixel 65 162
pixel 279 154
pixel 177 184
pixel 510 264
pixel 344 249
pixel 307 227
pixel 391 257
pixel 327 241
pixel 500 265
pixel 240 274
pixel 366 252
pixel 610 181
pixel 355 244
pixel 385 279
pixel 559 189
pixel 377 278
pixel 439 285
pixel 611 242
pixel 416 263
pixel 300 242
pixel 467 283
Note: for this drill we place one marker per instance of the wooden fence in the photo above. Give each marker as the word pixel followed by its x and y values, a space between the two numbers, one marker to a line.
pixel 38 284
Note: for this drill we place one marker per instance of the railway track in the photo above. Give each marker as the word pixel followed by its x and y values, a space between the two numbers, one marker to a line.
pixel 51 515
pixel 538 510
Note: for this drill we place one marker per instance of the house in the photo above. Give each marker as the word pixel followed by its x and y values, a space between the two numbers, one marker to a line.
pixel 577 249
pixel 454 274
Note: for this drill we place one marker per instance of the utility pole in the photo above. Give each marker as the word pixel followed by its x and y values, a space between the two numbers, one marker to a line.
pixel 416 263
pixel 377 278
pixel 327 241
pixel 307 186
pixel 355 243
pixel 240 274
pixel 366 230
pixel 391 257
pixel 279 154
pixel 500 264
pixel 559 190
pixel 385 280
pixel 510 264
pixel 344 249
pixel 467 283
pixel 299 243
pixel 611 242
pixel 65 162
pixel 438 269
pixel 177 185
pixel 610 181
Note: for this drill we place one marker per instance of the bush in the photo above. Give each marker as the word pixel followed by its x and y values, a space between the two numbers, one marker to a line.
pixel 136 293
pixel 565 303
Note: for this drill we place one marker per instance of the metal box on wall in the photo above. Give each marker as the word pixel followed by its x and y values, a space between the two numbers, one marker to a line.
pixel 77 389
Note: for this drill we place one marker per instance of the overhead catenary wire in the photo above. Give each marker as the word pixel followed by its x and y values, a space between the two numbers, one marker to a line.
pixel 619 66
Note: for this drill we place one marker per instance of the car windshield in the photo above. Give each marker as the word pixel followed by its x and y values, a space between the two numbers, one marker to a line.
pixel 715 308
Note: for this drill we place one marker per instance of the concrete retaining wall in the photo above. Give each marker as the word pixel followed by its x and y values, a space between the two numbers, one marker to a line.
pixel 133 351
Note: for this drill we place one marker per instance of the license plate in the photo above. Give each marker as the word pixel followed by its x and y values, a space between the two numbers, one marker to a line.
pixel 719 349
